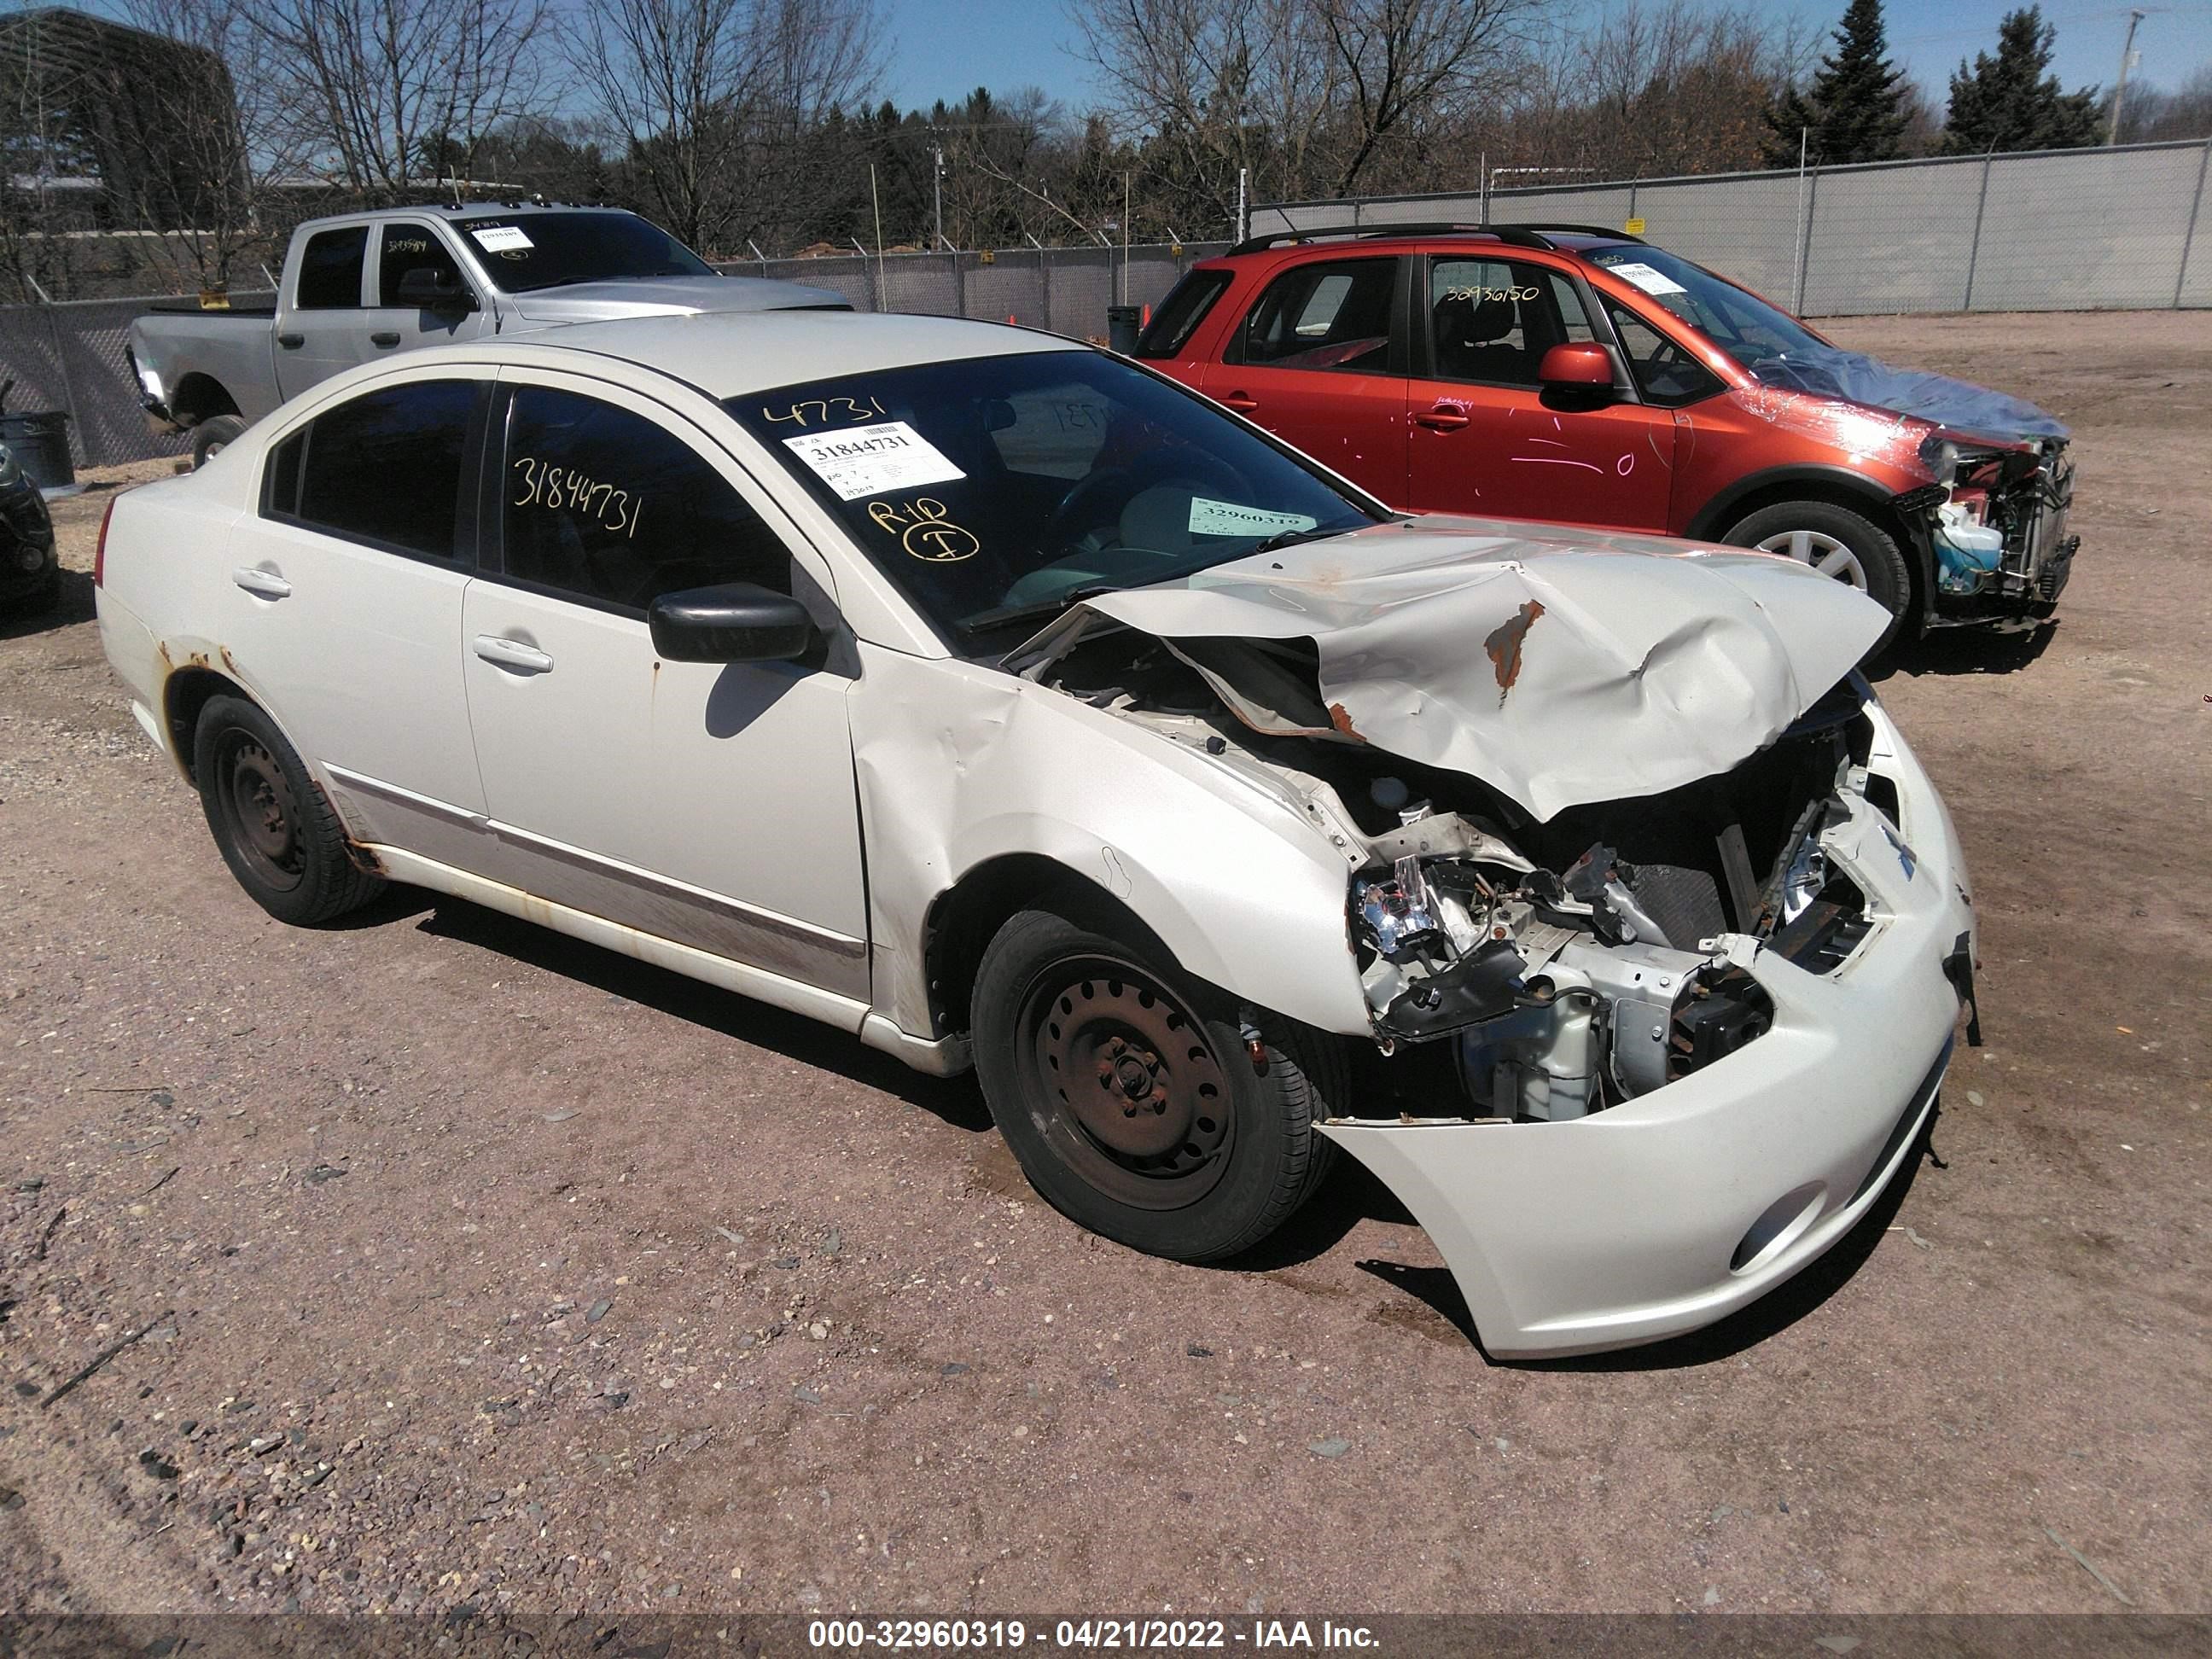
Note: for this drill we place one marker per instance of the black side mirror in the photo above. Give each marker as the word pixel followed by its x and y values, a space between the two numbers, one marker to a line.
pixel 737 621
pixel 430 290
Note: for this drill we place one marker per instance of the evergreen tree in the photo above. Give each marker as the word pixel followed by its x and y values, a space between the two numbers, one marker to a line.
pixel 1854 109
pixel 2010 102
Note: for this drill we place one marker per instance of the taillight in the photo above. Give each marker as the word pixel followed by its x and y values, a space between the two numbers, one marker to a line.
pixel 100 549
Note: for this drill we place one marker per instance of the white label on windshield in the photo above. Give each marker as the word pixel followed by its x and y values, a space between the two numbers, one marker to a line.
pixel 1650 281
pixel 869 460
pixel 501 239
pixel 1211 517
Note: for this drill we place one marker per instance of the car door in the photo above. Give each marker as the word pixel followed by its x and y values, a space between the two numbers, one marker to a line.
pixel 1319 360
pixel 325 331
pixel 1488 439
pixel 344 603
pixel 712 804
pixel 402 245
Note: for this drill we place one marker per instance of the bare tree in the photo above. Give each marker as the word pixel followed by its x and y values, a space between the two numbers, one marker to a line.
pixel 381 88
pixel 718 102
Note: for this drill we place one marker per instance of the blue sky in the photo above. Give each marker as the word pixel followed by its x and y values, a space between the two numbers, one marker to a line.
pixel 945 47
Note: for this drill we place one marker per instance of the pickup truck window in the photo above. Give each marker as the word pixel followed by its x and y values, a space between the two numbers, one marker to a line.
pixel 403 246
pixel 343 465
pixel 526 252
pixel 608 506
pixel 329 271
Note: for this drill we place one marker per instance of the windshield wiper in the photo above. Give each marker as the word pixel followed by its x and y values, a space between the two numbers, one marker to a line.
pixel 1006 615
pixel 1292 538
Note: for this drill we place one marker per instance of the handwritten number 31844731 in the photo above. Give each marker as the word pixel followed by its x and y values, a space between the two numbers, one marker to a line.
pixel 565 489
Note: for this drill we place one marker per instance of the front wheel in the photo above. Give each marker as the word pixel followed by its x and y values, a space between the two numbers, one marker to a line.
pixel 272 824
pixel 1131 1098
pixel 1838 543
pixel 210 435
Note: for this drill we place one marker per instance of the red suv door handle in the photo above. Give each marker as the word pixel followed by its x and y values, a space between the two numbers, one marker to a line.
pixel 1444 417
pixel 1243 402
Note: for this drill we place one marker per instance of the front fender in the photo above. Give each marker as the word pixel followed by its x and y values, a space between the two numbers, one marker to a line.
pixel 959 764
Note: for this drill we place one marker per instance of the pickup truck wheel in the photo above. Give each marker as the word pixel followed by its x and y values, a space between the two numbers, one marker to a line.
pixel 272 824
pixel 211 435
pixel 1130 1100
pixel 1838 543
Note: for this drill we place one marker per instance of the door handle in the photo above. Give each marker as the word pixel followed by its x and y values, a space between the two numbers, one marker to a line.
pixel 513 654
pixel 262 584
pixel 291 342
pixel 1243 402
pixel 384 338
pixel 1444 417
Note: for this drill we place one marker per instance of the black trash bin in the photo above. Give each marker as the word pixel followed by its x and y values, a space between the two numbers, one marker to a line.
pixel 40 443
pixel 1123 324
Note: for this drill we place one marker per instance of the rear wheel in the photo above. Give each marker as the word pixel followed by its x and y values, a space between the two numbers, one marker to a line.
pixel 272 824
pixel 1839 544
pixel 1128 1095
pixel 210 435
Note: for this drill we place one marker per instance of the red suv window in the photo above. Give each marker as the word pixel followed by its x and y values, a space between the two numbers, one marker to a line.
pixel 1333 315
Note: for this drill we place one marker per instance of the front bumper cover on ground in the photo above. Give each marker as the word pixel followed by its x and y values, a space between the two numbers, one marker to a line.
pixel 1665 1213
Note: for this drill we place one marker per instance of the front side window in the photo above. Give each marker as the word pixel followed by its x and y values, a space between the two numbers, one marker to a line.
pixel 1666 373
pixel 997 491
pixel 605 506
pixel 405 246
pixel 1492 320
pixel 330 269
pixel 524 252
pixel 383 468
pixel 1331 315
pixel 1181 313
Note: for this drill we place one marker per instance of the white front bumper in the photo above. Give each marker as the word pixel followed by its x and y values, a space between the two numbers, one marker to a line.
pixel 1625 1227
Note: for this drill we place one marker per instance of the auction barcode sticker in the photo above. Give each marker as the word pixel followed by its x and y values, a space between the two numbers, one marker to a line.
pixel 1211 518
pixel 1651 281
pixel 502 239
pixel 872 460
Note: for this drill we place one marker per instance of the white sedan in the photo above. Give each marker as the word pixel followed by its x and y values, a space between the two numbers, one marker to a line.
pixel 999 700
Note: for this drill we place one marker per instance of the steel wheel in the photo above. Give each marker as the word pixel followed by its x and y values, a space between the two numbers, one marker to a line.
pixel 264 814
pixel 1139 1103
pixel 1824 552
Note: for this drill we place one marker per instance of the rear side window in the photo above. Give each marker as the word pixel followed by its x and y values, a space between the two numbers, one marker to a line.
pixel 329 271
pixel 402 247
pixel 606 506
pixel 383 468
pixel 1333 315
pixel 1181 313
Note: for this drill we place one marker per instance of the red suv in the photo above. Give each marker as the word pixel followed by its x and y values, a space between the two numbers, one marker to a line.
pixel 1571 373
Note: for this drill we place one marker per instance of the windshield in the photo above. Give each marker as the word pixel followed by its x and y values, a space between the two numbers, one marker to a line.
pixel 524 252
pixel 999 490
pixel 1737 321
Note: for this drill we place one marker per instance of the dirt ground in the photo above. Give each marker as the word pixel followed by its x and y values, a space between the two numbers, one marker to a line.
pixel 485 1267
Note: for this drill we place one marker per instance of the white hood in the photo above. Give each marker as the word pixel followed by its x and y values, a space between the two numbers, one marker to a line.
pixel 668 296
pixel 1559 667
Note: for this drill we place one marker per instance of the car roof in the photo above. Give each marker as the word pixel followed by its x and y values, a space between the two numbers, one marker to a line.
pixel 729 354
pixel 1337 238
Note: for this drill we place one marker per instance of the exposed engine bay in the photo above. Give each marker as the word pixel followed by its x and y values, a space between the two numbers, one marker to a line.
pixel 1995 521
pixel 1563 966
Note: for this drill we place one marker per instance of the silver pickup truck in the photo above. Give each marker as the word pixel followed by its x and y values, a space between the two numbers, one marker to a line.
pixel 366 285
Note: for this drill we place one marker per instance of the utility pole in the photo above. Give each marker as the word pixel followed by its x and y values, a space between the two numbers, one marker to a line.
pixel 937 182
pixel 2120 87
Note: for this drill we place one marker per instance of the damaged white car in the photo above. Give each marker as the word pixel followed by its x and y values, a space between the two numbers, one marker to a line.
pixel 992 697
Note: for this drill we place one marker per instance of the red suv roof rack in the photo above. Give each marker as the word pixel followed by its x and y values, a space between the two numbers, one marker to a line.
pixel 1512 235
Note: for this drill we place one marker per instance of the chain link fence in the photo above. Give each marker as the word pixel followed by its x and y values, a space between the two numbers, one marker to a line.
pixel 2123 229
pixel 71 356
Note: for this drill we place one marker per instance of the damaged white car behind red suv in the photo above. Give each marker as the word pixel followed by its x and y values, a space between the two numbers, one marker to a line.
pixel 990 696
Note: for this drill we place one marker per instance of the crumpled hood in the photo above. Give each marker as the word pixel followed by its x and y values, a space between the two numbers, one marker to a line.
pixel 1558 667
pixel 1957 406
pixel 667 296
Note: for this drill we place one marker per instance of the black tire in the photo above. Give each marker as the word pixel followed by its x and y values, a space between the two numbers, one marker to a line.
pixel 212 434
pixel 1053 1000
pixel 1872 550
pixel 272 824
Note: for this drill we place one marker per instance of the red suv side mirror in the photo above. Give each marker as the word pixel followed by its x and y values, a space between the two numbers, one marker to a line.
pixel 1580 365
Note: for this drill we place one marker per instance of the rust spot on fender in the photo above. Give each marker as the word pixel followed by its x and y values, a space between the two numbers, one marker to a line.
pixel 223 651
pixel 1504 642
pixel 1342 722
